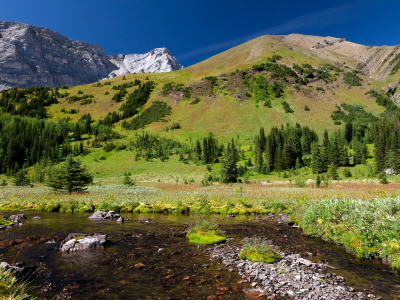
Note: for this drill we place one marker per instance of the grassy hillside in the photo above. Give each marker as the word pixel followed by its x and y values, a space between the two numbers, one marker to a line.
pixel 224 114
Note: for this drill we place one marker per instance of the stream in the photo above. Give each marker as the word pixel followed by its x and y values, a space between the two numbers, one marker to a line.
pixel 155 261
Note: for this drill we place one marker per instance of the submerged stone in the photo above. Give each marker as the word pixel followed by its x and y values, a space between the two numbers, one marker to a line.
pixel 82 242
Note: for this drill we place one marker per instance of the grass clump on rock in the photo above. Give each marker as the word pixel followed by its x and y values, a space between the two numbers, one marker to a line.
pixel 205 232
pixel 258 250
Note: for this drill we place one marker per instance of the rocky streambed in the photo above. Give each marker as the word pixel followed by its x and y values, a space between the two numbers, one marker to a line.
pixel 150 258
pixel 292 277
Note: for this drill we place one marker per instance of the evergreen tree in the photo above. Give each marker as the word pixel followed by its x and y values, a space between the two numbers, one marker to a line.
pixel 317 163
pixel 71 176
pixel 21 178
pixel 127 179
pixel 332 172
pixel 318 181
pixel 229 172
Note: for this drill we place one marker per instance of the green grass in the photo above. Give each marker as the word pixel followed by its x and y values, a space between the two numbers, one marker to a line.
pixel 11 289
pixel 258 250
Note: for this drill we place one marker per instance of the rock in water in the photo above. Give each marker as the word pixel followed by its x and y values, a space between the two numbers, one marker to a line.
pixel 143 220
pixel 98 215
pixel 81 242
pixel 17 218
pixel 120 220
pixel 31 55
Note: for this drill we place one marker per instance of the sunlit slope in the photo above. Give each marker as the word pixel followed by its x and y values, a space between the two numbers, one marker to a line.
pixel 224 114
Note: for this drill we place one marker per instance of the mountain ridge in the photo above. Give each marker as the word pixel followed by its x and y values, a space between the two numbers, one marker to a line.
pixel 31 55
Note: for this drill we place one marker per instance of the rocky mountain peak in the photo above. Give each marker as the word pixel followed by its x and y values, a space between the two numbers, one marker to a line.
pixel 31 55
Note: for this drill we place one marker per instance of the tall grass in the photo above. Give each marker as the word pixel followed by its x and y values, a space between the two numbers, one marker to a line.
pixel 10 289
pixel 370 228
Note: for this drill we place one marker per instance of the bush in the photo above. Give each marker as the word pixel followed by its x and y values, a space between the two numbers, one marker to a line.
pixel 346 173
pixel 258 250
pixel 195 101
pixel 108 147
pixel 352 78
pixel 287 107
pixel 306 108
pixel 300 181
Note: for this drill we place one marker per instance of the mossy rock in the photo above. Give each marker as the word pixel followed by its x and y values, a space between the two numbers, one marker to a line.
pixel 206 238
pixel 256 256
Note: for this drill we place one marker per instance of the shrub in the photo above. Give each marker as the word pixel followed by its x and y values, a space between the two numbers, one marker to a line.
pixel 287 107
pixel 195 101
pixel 306 108
pixel 352 78
pixel 346 173
pixel 108 147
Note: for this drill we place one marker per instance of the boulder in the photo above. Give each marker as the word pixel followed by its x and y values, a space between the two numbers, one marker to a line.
pixel 82 242
pixel 120 220
pixel 17 218
pixel 110 215
pixel 98 215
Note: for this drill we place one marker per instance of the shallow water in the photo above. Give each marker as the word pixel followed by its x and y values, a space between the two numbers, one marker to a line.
pixel 177 272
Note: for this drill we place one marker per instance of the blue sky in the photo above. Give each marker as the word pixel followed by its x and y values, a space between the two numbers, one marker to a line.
pixel 196 30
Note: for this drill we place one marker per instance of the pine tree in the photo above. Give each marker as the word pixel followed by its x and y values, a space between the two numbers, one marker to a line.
pixel 71 176
pixel 332 172
pixel 316 161
pixel 127 179
pixel 229 172
pixel 21 178
pixel 318 181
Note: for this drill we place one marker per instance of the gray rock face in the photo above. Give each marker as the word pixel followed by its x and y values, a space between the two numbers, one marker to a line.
pixel 31 55
pixel 81 242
